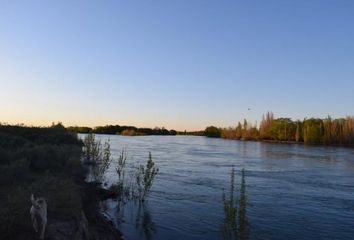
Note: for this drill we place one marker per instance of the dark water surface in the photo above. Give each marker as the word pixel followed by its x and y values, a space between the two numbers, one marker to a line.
pixel 292 191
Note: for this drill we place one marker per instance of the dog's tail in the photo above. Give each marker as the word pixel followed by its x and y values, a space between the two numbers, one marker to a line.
pixel 33 200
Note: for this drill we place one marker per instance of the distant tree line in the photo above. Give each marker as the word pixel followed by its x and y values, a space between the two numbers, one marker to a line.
pixel 122 130
pixel 326 131
pixel 191 133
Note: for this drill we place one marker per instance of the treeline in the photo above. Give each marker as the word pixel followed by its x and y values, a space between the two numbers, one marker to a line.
pixel 326 131
pixel 191 133
pixel 122 130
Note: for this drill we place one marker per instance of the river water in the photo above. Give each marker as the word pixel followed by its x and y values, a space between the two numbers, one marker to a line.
pixel 291 191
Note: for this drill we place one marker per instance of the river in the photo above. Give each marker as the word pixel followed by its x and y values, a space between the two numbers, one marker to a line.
pixel 291 191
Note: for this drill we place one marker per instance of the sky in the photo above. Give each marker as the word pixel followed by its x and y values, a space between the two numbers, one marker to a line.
pixel 183 64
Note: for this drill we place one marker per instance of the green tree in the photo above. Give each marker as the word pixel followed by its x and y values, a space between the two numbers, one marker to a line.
pixel 282 129
pixel 264 126
pixel 313 131
pixel 239 131
pixel 212 131
pixel 298 133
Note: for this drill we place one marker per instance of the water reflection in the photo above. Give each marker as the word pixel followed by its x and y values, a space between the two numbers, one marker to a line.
pixel 242 214
pixel 235 224
pixel 132 216
pixel 143 221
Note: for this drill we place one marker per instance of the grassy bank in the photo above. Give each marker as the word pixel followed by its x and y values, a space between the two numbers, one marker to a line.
pixel 46 162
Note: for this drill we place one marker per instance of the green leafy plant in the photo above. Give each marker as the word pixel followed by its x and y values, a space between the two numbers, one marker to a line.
pixel 120 169
pixel 97 156
pixel 145 177
pixel 92 149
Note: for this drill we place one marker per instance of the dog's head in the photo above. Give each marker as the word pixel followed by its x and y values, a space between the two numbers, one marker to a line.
pixel 38 202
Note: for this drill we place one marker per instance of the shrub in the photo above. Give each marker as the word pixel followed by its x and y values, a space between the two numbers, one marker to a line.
pixel 145 177
pixel 14 211
pixel 98 157
pixel 15 172
pixel 50 157
pixel 92 149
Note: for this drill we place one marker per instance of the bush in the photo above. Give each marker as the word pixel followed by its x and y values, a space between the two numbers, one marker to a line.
pixel 15 172
pixel 49 157
pixel 55 135
pixel 145 177
pixel 97 156
pixel 14 212
pixel 8 141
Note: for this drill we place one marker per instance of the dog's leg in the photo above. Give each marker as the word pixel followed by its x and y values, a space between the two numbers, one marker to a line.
pixel 44 224
pixel 35 225
pixel 34 220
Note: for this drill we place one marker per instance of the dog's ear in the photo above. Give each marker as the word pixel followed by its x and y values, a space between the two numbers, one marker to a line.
pixel 33 200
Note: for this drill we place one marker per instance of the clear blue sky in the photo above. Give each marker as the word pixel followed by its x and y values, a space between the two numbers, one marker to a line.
pixel 178 64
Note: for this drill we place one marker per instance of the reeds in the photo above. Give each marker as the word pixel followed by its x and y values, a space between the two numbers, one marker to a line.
pixel 235 224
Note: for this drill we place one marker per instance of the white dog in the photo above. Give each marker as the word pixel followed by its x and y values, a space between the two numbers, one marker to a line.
pixel 39 214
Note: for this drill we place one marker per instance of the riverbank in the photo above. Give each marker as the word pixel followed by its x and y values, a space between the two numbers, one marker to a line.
pixel 89 224
pixel 46 162
pixel 290 142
